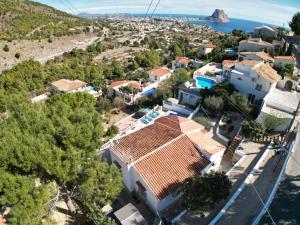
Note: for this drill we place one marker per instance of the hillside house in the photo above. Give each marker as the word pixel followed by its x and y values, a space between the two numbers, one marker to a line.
pixel 181 62
pixel 67 86
pixel 206 48
pixel 258 56
pixel 157 159
pixel 281 102
pixel 159 74
pixel 253 78
pixel 265 31
pixel 255 45
pixel 281 61
pixel 117 88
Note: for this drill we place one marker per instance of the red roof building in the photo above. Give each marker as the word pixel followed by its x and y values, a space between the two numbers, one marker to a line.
pixel 162 156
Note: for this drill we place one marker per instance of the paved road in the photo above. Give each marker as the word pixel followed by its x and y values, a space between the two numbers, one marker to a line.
pixel 285 207
pixel 248 205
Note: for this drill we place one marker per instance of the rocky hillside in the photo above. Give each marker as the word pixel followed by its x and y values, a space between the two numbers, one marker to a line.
pixel 23 19
pixel 219 16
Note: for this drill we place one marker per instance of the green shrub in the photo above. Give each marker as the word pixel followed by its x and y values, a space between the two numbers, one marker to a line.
pixel 6 48
pixel 252 129
pixel 203 121
pixel 112 131
pixel 17 55
pixel 214 105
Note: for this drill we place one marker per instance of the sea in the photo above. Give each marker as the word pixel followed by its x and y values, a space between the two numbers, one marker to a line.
pixel 234 23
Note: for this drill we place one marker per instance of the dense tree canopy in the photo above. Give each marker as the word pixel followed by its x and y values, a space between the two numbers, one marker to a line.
pixel 52 142
pixel 214 187
pixel 295 23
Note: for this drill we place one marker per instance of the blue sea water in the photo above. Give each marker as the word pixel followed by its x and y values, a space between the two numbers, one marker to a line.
pixel 234 23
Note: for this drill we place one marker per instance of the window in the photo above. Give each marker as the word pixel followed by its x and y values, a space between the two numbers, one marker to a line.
pixel 141 187
pixel 155 77
pixel 117 164
pixel 258 87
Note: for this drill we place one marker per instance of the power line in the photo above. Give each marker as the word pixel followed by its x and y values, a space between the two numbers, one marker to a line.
pixel 72 6
pixel 155 8
pixel 260 198
pixel 149 8
pixel 68 7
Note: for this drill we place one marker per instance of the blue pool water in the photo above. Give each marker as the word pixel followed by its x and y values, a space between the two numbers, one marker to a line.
pixel 203 82
pixel 231 52
pixel 90 88
pixel 148 92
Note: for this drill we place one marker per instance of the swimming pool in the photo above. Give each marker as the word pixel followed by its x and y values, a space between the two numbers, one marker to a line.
pixel 148 92
pixel 204 82
pixel 89 88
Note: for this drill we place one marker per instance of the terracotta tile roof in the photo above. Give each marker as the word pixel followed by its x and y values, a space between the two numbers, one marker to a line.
pixel 267 72
pixel 160 71
pixel 2 220
pixel 65 85
pixel 290 58
pixel 229 63
pixel 117 83
pixel 167 152
pixel 257 41
pixel 204 142
pixel 134 83
pixel 142 142
pixel 265 56
pixel 165 170
pixel 208 45
pixel 250 63
pixel 183 60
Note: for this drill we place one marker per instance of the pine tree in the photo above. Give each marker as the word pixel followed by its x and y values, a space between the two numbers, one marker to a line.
pixel 295 23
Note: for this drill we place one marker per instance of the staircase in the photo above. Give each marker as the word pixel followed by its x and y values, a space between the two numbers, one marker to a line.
pixel 229 152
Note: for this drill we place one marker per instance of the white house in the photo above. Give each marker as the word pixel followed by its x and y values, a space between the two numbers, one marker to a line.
pixel 258 56
pixel 71 86
pixel 157 159
pixel 255 45
pixel 174 105
pixel 189 94
pixel 281 61
pixel 181 62
pixel 253 78
pixel 159 74
pixel 265 31
pixel 281 103
pixel 67 86
pixel 115 89
pixel 206 48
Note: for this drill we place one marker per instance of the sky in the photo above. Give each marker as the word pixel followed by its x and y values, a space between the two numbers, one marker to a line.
pixel 277 12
